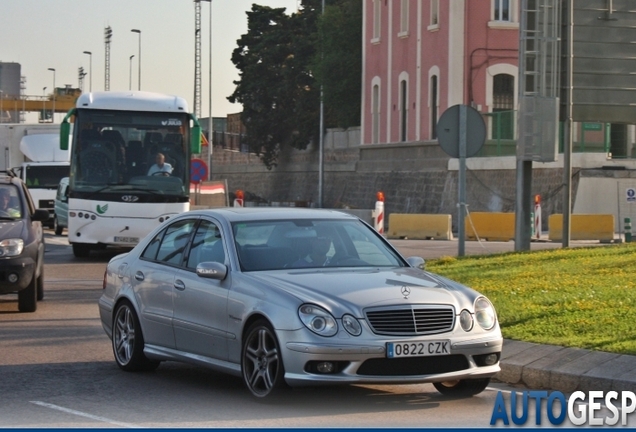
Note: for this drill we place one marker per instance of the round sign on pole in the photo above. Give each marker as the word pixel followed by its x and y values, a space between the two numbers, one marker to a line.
pixel 198 170
pixel 448 131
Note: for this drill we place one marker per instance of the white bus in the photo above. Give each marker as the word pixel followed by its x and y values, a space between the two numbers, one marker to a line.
pixel 113 201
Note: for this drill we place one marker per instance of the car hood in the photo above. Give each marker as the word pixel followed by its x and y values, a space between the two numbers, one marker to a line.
pixel 353 290
pixel 11 229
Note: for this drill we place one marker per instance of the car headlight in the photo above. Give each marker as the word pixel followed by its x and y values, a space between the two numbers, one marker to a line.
pixel 466 320
pixel 11 247
pixel 485 313
pixel 318 320
pixel 351 325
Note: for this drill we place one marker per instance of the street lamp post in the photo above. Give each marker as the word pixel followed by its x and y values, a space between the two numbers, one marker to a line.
pixel 130 73
pixel 90 70
pixel 53 115
pixel 210 123
pixel 1 96
pixel 138 59
pixel 44 104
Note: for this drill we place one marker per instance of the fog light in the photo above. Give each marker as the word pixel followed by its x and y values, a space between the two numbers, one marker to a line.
pixel 325 367
pixel 86 216
pixel 80 214
pixel 490 359
pixel 13 278
pixel 93 217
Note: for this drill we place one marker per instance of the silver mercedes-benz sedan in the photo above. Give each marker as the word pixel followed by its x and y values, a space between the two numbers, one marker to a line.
pixel 284 296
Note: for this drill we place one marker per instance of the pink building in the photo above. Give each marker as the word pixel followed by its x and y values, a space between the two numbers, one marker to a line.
pixel 421 57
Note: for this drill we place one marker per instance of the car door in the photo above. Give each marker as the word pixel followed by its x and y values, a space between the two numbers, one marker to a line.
pixel 153 280
pixel 200 304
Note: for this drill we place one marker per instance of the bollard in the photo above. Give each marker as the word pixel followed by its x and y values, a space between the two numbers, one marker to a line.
pixel 378 214
pixel 536 230
pixel 238 201
pixel 628 230
pixel 532 225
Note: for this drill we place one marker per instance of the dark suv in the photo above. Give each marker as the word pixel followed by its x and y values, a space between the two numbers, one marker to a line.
pixel 21 243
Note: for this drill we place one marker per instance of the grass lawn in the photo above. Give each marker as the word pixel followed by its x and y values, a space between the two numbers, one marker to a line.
pixel 578 297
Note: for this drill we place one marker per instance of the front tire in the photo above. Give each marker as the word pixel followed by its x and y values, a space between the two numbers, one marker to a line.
pixel 81 250
pixel 462 388
pixel 27 298
pixel 40 284
pixel 261 360
pixel 128 340
pixel 56 226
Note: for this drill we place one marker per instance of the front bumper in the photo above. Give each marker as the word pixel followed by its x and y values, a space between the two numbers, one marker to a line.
pixel 368 363
pixel 22 267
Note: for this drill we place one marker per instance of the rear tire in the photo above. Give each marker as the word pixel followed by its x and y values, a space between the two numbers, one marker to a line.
pixel 56 226
pixel 81 250
pixel 462 388
pixel 27 298
pixel 128 340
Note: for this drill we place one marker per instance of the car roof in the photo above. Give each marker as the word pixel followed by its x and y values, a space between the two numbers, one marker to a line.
pixel 240 214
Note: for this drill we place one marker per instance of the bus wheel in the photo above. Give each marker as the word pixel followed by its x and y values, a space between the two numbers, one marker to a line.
pixel 81 250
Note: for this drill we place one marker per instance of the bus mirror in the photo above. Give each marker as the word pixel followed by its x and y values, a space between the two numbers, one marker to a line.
pixel 65 130
pixel 195 139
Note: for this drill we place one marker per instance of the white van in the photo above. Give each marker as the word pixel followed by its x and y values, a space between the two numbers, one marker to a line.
pixel 60 218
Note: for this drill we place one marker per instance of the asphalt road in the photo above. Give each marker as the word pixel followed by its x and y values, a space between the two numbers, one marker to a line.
pixel 57 371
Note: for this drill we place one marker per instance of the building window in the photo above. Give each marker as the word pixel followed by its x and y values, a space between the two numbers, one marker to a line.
pixel 376 19
pixel 404 17
pixel 434 13
pixel 403 110
pixel 375 100
pixel 502 10
pixel 503 98
pixel 433 105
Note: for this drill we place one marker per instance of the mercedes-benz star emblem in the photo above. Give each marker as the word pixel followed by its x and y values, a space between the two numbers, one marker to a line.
pixel 406 291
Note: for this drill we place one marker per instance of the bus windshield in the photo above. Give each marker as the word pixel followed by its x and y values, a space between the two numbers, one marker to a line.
pixel 130 151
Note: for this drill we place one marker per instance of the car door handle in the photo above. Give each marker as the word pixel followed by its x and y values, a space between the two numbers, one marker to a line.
pixel 178 284
pixel 139 276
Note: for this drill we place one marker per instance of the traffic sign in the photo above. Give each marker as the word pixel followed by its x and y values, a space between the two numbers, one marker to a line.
pixel 198 170
pixel 448 129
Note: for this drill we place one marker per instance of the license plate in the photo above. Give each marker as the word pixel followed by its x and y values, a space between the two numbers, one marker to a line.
pixel 417 349
pixel 126 239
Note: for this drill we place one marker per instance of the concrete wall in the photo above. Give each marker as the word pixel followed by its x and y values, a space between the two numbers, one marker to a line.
pixel 415 178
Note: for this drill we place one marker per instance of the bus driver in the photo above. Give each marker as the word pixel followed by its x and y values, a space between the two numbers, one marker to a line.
pixel 161 167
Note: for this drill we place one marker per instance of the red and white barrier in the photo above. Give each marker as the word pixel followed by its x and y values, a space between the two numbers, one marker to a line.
pixel 378 213
pixel 537 216
pixel 238 201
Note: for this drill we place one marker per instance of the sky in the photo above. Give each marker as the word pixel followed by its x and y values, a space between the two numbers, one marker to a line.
pixel 43 34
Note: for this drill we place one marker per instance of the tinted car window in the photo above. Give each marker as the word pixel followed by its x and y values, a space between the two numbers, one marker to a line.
pixel 206 246
pixel 174 242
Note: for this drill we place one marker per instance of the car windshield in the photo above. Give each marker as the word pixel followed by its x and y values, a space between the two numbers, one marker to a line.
pixel 303 243
pixel 143 152
pixel 10 205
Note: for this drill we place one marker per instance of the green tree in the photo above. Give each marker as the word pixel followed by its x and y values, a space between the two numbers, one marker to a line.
pixel 279 60
pixel 275 88
pixel 338 63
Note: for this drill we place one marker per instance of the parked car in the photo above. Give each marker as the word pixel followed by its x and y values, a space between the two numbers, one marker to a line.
pixel 21 243
pixel 60 218
pixel 294 297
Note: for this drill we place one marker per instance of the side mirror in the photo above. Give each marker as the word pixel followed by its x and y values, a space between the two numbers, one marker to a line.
pixel 212 270
pixel 40 215
pixel 65 130
pixel 417 262
pixel 195 139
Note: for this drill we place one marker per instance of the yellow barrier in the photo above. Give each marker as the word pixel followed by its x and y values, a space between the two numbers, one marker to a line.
pixel 583 227
pixel 490 226
pixel 420 226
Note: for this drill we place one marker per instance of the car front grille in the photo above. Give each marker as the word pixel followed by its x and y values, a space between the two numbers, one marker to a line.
pixel 413 365
pixel 411 320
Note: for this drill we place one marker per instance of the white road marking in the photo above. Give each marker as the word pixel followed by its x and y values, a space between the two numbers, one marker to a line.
pixel 81 414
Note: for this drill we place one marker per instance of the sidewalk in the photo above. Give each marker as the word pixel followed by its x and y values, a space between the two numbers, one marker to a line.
pixel 533 365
